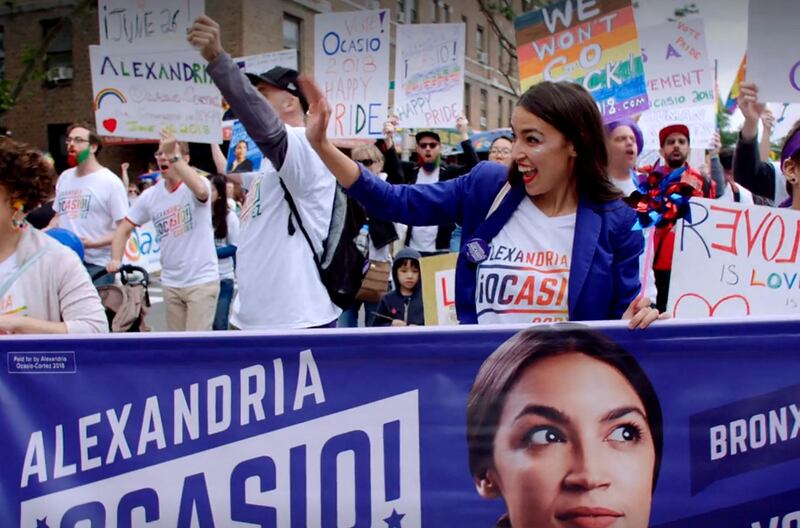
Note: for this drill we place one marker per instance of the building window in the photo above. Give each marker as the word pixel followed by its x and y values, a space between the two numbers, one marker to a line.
pixel 414 11
pixel 467 100
pixel 401 11
pixel 448 12
pixel 527 5
pixel 480 44
pixel 59 52
pixel 510 110
pixel 435 11
pixel 466 34
pixel 500 111
pixel 292 36
pixel 484 108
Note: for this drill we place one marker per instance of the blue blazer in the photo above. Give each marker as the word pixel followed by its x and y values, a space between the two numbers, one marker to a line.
pixel 604 274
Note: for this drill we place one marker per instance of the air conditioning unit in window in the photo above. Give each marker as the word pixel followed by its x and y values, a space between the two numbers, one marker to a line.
pixel 483 122
pixel 483 57
pixel 401 18
pixel 58 74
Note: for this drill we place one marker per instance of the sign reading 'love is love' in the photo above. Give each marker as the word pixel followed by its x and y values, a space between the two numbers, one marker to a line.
pixel 734 260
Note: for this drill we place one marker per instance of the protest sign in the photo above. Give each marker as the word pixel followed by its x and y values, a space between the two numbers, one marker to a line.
pixel 368 427
pixel 679 72
pixel 429 75
pixel 351 65
pixel 735 260
pixel 138 94
pixel 701 120
pixel 592 43
pixel 243 153
pixel 438 276
pixel 773 59
pixel 147 25
pixel 144 248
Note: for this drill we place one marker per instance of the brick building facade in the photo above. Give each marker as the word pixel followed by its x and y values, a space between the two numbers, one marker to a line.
pixel 47 106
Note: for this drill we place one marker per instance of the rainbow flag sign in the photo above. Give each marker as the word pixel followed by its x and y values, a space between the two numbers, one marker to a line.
pixel 588 42
pixel 731 104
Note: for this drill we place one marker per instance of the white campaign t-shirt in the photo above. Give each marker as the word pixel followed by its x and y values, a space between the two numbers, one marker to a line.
pixel 226 264
pixel 279 285
pixel 91 206
pixel 526 277
pixel 627 186
pixel 423 238
pixel 183 225
pixel 13 301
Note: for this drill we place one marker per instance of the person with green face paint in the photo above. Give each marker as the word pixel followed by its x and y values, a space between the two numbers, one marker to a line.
pixel 90 199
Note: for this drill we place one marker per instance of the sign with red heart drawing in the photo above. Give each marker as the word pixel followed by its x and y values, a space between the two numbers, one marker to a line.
pixel 734 260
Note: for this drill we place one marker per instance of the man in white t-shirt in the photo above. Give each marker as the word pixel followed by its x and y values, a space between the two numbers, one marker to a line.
pixel 90 199
pixel 180 207
pixel 279 284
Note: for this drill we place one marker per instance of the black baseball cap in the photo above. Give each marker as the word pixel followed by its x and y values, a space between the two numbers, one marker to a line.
pixel 282 78
pixel 427 133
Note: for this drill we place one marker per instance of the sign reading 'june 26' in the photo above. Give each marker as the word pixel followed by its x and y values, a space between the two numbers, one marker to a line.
pixel 351 65
pixel 429 75
pixel 146 25
pixel 734 260
pixel 588 42
pixel 136 95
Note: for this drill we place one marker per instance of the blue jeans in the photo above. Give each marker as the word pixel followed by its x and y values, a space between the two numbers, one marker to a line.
pixel 94 269
pixel 349 317
pixel 223 304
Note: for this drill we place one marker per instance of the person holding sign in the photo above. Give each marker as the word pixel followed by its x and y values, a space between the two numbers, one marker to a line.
pixel 547 239
pixel 675 147
pixel 279 284
pixel 748 169
pixel 428 168
pixel 44 288
pixel 180 207
pixel 580 453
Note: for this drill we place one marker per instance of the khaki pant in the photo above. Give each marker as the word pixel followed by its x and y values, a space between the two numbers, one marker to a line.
pixel 191 308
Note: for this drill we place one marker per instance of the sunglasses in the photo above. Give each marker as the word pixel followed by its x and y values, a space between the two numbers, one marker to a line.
pixel 427 145
pixel 366 162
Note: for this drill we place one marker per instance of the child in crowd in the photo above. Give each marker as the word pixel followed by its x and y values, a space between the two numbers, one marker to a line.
pixel 403 305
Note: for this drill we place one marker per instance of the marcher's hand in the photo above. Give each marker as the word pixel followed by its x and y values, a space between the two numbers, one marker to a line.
pixel 113 266
pixel 169 145
pixel 389 129
pixel 768 120
pixel 748 101
pixel 462 125
pixel 125 166
pixel 399 322
pixel 319 111
pixel 641 313
pixel 87 243
pixel 716 144
pixel 10 323
pixel 204 34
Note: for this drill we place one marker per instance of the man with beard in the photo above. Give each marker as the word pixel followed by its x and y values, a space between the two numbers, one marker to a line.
pixel 674 141
pixel 90 199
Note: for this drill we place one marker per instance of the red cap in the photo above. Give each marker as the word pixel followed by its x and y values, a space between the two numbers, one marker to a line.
pixel 664 133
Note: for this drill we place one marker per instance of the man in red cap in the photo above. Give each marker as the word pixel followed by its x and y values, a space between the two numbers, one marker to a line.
pixel 674 141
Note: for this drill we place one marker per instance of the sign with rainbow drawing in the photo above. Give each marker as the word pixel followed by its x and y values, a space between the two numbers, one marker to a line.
pixel 733 260
pixel 592 43
pixel 138 94
pixel 429 75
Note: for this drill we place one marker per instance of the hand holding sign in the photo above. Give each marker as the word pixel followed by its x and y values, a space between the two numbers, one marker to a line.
pixel 748 102
pixel 204 34
pixel 462 125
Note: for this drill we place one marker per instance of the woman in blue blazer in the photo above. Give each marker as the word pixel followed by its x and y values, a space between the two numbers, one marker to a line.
pixel 546 240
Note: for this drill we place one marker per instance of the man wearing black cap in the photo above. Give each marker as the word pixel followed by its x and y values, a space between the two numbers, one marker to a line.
pixel 279 285
pixel 429 240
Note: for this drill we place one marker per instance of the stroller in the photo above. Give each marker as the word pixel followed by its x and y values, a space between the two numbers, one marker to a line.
pixel 126 305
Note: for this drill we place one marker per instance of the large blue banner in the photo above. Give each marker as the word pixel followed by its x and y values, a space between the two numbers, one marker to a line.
pixel 369 428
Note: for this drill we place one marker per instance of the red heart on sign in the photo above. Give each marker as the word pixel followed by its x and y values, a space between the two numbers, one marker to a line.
pixel 110 124
pixel 712 307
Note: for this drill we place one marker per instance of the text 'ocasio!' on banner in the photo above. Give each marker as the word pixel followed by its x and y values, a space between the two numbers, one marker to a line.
pixel 733 260
pixel 429 75
pixel 138 94
pixel 351 65
pixel 588 42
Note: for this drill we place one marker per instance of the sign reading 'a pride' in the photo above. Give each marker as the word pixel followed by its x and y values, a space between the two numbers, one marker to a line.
pixel 591 43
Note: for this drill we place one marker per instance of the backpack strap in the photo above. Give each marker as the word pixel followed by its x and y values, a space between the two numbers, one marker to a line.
pixel 14 276
pixel 294 212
